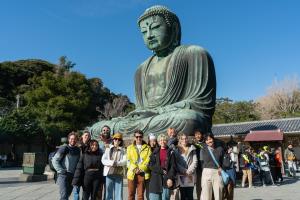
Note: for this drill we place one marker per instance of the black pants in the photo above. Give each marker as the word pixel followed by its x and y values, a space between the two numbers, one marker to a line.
pixel 266 177
pixel 278 174
pixel 91 183
pixel 186 193
pixel 273 173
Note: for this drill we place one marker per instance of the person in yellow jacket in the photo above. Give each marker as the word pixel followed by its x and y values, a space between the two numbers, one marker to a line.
pixel 246 167
pixel 138 157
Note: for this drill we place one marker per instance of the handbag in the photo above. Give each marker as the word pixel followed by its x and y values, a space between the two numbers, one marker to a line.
pixel 115 170
pixel 225 176
pixel 186 180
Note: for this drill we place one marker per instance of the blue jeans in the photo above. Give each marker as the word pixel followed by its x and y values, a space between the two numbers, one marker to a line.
pixel 65 187
pixel 165 195
pixel 114 187
pixel 232 174
pixel 76 191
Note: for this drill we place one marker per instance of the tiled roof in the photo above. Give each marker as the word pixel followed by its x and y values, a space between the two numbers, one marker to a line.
pixel 288 125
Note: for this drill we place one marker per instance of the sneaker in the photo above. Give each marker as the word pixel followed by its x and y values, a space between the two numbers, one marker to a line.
pixel 274 186
pixel 264 185
pixel 250 186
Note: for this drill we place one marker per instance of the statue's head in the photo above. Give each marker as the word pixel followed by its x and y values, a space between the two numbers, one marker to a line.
pixel 160 28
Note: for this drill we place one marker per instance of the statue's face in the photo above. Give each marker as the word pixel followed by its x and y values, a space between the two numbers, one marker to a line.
pixel 155 33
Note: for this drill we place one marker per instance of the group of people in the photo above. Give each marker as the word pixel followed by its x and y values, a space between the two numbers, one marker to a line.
pixel 97 167
pixel 166 167
pixel 267 163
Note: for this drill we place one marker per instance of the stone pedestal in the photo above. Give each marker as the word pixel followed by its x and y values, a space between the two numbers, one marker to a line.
pixel 33 167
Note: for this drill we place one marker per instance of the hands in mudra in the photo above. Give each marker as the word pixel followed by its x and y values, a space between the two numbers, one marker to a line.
pixel 144 113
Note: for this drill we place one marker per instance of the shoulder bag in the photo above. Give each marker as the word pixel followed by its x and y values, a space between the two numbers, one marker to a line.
pixel 225 176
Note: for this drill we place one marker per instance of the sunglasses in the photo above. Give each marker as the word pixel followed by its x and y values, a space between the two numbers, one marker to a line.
pixel 138 137
pixel 117 139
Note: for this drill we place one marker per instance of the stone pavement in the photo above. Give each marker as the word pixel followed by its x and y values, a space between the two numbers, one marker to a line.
pixel 12 189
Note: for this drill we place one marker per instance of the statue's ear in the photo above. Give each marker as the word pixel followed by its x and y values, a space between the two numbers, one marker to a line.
pixel 175 34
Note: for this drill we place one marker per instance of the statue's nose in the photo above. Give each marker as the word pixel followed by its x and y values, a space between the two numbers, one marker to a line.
pixel 149 35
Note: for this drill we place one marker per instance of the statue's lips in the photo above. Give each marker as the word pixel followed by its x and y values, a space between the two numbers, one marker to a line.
pixel 152 42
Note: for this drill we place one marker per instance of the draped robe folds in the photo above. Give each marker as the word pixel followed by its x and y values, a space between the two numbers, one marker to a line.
pixel 188 100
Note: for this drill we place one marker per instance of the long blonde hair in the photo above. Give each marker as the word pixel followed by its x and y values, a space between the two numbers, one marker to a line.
pixel 181 148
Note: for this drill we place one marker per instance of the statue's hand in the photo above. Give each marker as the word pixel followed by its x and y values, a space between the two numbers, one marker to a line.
pixel 132 113
pixel 171 108
pixel 140 114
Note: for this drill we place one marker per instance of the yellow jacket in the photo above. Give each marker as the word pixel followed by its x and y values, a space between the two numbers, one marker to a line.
pixel 246 158
pixel 135 160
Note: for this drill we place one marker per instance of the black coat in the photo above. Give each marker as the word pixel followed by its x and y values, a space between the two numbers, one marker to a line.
pixel 83 148
pixel 158 180
pixel 227 162
pixel 88 161
pixel 199 146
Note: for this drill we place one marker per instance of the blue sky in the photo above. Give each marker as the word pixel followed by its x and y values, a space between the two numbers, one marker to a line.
pixel 252 42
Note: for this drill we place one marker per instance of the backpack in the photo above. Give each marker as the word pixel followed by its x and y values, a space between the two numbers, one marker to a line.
pixel 263 161
pixel 50 157
pixel 227 162
pixel 52 154
pixel 291 156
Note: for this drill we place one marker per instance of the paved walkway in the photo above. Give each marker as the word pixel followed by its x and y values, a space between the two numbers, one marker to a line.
pixel 12 189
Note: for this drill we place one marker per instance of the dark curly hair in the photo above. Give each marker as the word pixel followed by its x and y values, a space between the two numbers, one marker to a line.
pixel 90 144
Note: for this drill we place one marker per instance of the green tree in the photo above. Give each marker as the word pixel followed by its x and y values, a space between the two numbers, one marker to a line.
pixel 105 104
pixel 59 103
pixel 19 125
pixel 14 80
pixel 65 63
pixel 100 96
pixel 228 111
pixel 56 99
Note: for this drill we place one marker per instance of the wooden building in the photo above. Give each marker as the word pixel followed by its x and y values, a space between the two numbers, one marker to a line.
pixel 265 132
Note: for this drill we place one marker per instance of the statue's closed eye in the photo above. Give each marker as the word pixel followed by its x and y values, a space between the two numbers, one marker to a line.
pixel 156 26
